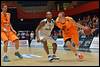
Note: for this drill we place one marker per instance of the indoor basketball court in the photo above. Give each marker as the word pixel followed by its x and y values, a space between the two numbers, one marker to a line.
pixel 25 19
pixel 39 58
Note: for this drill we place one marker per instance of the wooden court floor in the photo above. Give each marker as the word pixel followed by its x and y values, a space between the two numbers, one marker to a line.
pixel 66 58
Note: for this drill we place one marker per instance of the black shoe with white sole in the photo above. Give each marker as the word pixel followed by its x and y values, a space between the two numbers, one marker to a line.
pixel 55 57
pixel 50 58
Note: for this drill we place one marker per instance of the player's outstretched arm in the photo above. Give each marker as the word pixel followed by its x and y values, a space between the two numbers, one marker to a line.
pixel 38 28
pixel 77 24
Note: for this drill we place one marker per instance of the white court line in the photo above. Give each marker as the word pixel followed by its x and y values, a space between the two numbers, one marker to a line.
pixel 30 56
pixel 36 56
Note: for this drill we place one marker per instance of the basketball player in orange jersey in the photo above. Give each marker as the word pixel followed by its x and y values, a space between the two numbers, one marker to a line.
pixel 70 34
pixel 8 33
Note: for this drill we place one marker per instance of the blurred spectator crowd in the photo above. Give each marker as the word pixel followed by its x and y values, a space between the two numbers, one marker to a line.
pixel 90 21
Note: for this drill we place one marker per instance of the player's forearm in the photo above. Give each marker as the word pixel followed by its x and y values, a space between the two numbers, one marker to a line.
pixel 12 28
pixel 39 27
pixel 37 30
pixel 79 25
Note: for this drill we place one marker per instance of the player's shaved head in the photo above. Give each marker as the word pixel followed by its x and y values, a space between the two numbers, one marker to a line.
pixel 62 14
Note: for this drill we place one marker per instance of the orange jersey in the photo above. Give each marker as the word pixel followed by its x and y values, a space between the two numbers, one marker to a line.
pixel 5 24
pixel 5 21
pixel 69 28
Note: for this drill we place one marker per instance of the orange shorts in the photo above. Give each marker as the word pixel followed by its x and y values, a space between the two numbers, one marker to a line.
pixel 8 36
pixel 74 38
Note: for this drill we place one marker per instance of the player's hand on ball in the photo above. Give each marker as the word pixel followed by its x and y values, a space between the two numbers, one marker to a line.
pixel 87 30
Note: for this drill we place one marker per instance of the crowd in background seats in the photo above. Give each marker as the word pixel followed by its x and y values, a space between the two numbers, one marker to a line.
pixel 90 21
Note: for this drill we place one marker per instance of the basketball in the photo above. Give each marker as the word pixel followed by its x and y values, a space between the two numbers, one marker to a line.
pixel 87 30
pixel 50 33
